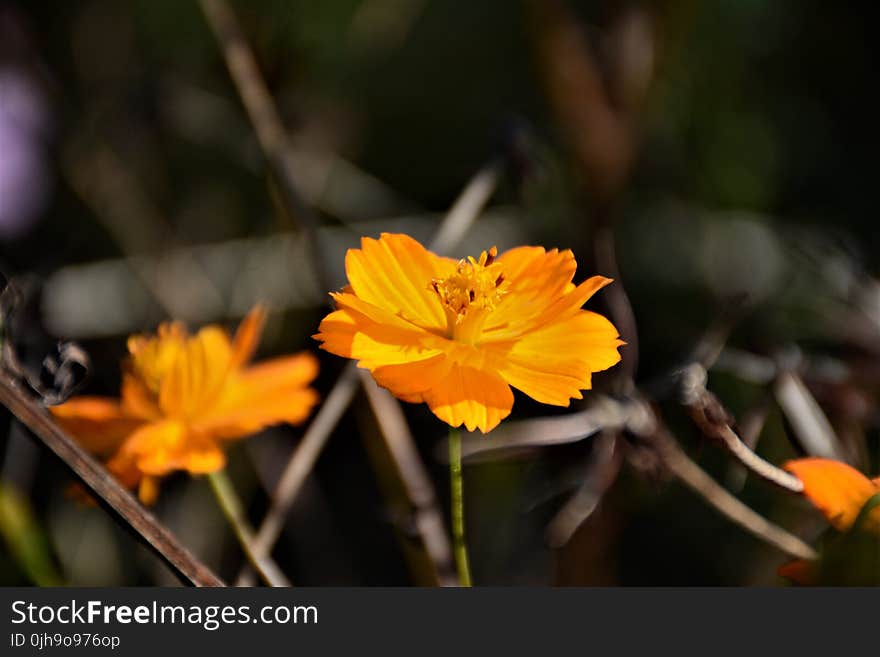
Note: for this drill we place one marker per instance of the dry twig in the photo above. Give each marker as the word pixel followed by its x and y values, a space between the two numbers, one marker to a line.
pixel 300 465
pixel 426 515
pixel 715 422
pixel 634 416
pixel 698 480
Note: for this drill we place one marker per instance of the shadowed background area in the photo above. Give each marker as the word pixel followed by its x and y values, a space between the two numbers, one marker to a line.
pixel 713 157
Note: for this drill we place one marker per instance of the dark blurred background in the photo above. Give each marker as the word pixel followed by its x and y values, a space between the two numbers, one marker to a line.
pixel 132 189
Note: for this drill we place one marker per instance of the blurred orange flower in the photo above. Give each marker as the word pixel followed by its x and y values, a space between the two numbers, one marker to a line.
pixel 458 334
pixel 839 491
pixel 182 396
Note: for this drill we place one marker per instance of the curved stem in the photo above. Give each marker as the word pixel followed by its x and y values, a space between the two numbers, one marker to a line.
pixel 457 488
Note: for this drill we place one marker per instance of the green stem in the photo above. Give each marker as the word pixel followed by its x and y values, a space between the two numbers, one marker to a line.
pixel 233 510
pixel 457 488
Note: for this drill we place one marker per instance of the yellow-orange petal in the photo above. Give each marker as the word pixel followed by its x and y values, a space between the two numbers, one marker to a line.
pixel 268 393
pixel 395 273
pixel 291 408
pixel 375 313
pixel 838 490
pixel 155 448
pixel 536 278
pixel 99 424
pixel 351 334
pixel 150 357
pixel 571 302
pixel 554 363
pixel 122 466
pixel 410 379
pixel 247 337
pixel 197 374
pixel 472 397
pixel 163 447
pixel 202 457
pixel 296 370
pixel 148 490
pixel 138 400
pixel 524 314
pixel 533 267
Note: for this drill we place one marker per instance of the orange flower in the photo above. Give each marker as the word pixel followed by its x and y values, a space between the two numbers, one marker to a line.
pixel 183 396
pixel 839 491
pixel 458 334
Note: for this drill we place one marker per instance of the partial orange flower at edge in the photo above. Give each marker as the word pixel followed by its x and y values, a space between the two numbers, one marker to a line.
pixel 458 334
pixel 840 492
pixel 182 396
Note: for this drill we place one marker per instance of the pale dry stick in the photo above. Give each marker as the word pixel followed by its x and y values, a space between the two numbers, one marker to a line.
pixel 420 491
pixel 466 208
pixel 751 427
pixel 698 480
pixel 807 419
pixel 635 416
pixel 714 421
pixel 300 465
pixel 603 413
pixel 601 472
pixel 143 523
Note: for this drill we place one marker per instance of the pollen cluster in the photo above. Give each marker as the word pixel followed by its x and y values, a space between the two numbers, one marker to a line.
pixel 476 283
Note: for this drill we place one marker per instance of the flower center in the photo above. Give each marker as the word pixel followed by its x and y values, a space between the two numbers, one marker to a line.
pixel 470 293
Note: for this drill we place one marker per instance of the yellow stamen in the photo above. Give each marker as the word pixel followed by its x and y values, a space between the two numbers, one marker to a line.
pixel 477 285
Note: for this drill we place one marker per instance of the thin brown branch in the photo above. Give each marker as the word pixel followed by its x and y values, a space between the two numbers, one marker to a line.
pixel 263 114
pixel 105 486
pixel 618 301
pixel 715 421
